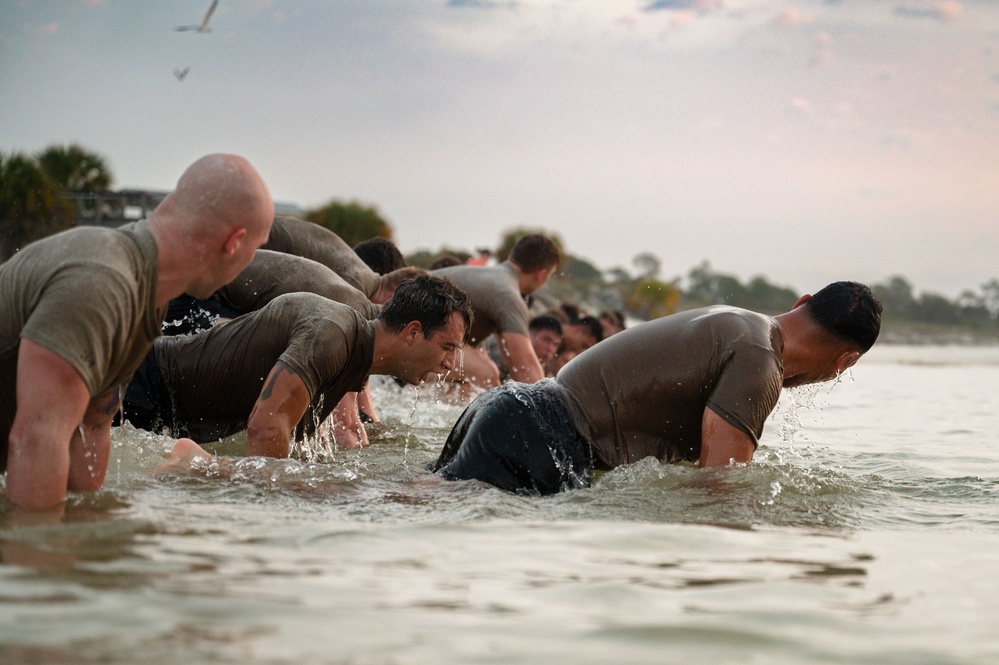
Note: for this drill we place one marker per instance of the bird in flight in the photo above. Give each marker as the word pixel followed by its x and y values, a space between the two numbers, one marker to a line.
pixel 181 73
pixel 204 22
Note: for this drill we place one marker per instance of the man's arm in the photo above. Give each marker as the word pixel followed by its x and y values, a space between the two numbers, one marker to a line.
pixel 348 430
pixel 722 443
pixel 521 361
pixel 51 402
pixel 281 404
pixel 90 446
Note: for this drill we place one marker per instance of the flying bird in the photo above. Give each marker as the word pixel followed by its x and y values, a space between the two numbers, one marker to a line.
pixel 204 22
pixel 181 73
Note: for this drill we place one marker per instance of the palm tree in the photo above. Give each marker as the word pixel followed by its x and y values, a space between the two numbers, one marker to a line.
pixel 31 204
pixel 75 169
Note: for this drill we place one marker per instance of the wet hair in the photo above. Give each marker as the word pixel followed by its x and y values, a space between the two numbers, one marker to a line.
pixel 429 299
pixel 592 326
pixel 545 322
pixel 614 317
pixel 380 254
pixel 534 252
pixel 849 311
pixel 397 277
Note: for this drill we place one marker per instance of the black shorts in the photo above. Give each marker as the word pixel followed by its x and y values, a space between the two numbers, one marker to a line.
pixel 519 438
pixel 147 403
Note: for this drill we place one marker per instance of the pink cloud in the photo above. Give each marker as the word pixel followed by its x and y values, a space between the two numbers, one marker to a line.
pixel 48 29
pixel 791 18
pixel 948 9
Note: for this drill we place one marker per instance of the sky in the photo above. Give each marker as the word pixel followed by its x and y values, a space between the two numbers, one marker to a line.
pixel 805 141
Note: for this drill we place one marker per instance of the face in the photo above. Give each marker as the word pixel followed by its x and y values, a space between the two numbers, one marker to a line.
pixel 824 371
pixel 545 343
pixel 435 354
pixel 538 279
pixel 577 338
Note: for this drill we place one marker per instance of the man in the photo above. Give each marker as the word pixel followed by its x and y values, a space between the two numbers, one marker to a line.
pixel 312 241
pixel 380 254
pixel 693 386
pixel 82 307
pixel 497 296
pixel 546 337
pixel 280 371
pixel 269 275
pixel 577 335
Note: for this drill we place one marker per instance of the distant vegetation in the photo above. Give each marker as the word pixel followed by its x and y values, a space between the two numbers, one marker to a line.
pixel 33 205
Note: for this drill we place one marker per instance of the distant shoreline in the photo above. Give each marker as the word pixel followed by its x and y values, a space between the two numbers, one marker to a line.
pixel 902 332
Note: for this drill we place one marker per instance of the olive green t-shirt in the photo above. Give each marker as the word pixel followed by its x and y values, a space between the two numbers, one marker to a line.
pixel 495 296
pixel 88 295
pixel 643 391
pixel 214 378
pixel 312 241
pixel 272 274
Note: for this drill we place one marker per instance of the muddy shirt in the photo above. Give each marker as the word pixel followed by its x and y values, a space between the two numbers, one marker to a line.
pixel 272 274
pixel 495 297
pixel 311 241
pixel 215 377
pixel 643 391
pixel 88 295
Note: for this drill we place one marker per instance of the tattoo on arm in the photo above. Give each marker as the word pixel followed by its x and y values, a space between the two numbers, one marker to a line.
pixel 280 367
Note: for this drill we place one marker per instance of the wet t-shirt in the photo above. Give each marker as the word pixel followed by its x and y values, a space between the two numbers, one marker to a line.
pixel 215 377
pixel 643 391
pixel 495 297
pixel 272 274
pixel 88 295
pixel 312 241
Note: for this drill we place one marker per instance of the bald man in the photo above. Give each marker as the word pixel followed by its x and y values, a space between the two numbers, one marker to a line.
pixel 83 307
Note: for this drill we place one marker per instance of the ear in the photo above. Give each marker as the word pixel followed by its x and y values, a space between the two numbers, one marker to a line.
pixel 410 332
pixel 846 360
pixel 234 240
pixel 802 300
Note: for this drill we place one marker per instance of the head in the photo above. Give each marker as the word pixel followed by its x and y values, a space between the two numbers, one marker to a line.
pixel 220 212
pixel 445 261
pixel 432 318
pixel 380 254
pixel 546 336
pixel 581 335
pixel 848 311
pixel 536 258
pixel 391 281
pixel 612 321
pixel 846 318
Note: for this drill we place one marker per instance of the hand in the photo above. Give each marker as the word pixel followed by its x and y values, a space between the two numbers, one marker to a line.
pixel 185 456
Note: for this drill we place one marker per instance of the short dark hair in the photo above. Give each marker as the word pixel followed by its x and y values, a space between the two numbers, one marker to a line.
pixel 535 252
pixel 545 322
pixel 429 299
pixel 848 310
pixel 592 326
pixel 380 254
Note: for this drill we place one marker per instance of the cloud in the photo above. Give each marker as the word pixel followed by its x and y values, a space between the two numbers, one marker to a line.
pixel 483 4
pixel 946 10
pixel 48 29
pixel 821 53
pixel 93 3
pixel 699 5
pixel 791 18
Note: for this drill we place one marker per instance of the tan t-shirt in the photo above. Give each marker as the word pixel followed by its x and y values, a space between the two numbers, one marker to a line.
pixel 312 241
pixel 643 391
pixel 272 274
pixel 215 377
pixel 88 295
pixel 495 297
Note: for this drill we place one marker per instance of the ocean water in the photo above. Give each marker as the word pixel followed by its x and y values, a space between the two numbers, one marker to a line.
pixel 865 531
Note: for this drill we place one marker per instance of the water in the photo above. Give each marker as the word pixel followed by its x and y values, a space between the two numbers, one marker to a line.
pixel 865 531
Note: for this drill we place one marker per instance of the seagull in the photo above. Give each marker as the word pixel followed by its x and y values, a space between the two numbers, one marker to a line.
pixel 181 73
pixel 204 22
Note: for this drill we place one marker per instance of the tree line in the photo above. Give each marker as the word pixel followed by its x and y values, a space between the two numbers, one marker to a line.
pixel 33 204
